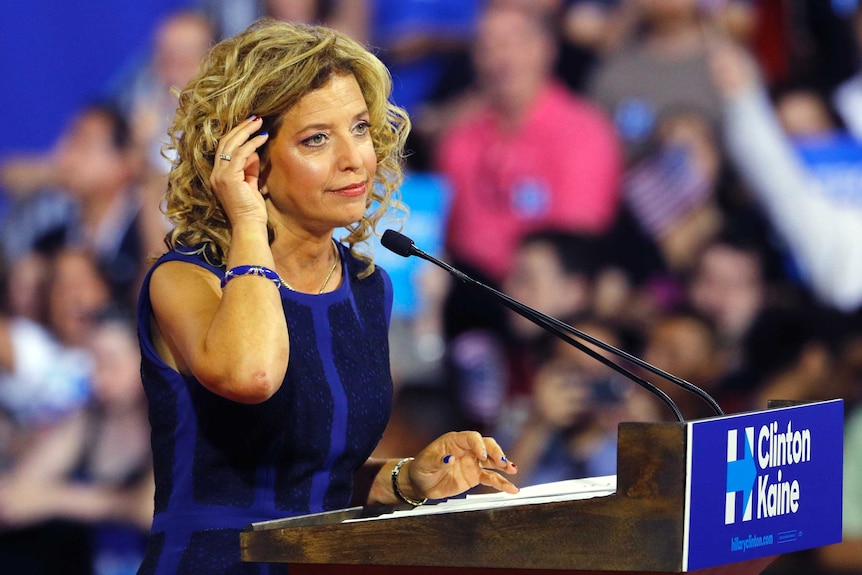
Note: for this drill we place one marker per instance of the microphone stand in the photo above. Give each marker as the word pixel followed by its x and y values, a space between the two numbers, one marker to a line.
pixel 404 246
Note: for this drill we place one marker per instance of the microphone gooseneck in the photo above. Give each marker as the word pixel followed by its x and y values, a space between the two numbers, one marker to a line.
pixel 405 247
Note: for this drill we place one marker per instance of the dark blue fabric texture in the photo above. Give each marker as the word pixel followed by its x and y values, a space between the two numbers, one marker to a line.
pixel 220 465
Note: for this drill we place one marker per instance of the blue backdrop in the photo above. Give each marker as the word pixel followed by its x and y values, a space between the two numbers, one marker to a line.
pixel 56 55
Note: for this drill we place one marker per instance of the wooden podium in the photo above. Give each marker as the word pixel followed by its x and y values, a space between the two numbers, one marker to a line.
pixel 639 528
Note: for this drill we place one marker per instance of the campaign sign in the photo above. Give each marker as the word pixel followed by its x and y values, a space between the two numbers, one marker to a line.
pixel 763 483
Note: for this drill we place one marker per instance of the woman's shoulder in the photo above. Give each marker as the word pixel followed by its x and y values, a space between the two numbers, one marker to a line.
pixel 168 278
pixel 376 286
pixel 200 255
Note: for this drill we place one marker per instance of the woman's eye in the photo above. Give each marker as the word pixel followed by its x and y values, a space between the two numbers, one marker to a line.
pixel 362 128
pixel 316 140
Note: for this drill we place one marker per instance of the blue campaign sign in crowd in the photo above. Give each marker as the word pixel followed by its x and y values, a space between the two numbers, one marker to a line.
pixel 835 160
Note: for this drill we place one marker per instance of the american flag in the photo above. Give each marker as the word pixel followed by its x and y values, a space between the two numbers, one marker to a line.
pixel 664 187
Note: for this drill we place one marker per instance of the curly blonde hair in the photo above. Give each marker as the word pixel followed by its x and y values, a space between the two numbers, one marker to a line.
pixel 265 70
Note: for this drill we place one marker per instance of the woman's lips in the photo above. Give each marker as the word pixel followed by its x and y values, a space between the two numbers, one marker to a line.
pixel 352 191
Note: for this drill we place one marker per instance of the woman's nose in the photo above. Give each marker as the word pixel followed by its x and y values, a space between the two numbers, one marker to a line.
pixel 349 155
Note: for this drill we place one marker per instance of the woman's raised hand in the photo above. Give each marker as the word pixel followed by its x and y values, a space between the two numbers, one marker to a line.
pixel 236 170
pixel 458 461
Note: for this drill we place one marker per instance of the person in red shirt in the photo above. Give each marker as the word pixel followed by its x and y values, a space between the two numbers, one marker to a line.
pixel 525 153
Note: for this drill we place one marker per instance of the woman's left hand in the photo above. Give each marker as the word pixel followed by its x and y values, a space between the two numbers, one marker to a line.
pixel 458 461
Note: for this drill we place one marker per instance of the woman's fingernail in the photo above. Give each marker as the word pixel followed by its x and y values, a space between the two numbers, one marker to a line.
pixel 264 134
pixel 252 117
pixel 504 460
pixel 484 455
pixel 447 458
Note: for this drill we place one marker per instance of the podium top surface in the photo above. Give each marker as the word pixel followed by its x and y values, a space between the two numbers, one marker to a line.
pixel 668 510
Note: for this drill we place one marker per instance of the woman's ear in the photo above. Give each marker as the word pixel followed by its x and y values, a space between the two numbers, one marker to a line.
pixel 261 180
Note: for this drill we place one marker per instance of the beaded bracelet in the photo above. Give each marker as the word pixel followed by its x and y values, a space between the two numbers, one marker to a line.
pixel 397 490
pixel 252 271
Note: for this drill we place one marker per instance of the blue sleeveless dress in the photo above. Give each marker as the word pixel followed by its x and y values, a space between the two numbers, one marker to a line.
pixel 220 465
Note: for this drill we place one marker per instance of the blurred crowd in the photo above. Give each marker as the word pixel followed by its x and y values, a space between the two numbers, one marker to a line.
pixel 678 178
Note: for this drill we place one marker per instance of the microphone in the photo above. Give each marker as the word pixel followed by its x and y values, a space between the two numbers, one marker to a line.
pixel 403 246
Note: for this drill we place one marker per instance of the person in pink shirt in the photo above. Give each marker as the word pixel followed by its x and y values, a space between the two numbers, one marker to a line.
pixel 525 152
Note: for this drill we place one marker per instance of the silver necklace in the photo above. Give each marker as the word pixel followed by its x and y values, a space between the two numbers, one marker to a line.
pixel 328 276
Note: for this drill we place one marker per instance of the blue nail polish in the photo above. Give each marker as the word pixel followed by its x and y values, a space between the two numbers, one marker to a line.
pixel 504 460
pixel 252 117
pixel 447 458
pixel 264 134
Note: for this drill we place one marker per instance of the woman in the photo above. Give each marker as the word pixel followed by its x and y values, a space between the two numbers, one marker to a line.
pixel 264 341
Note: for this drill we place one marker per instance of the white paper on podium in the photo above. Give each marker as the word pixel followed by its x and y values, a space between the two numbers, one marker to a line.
pixel 568 490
